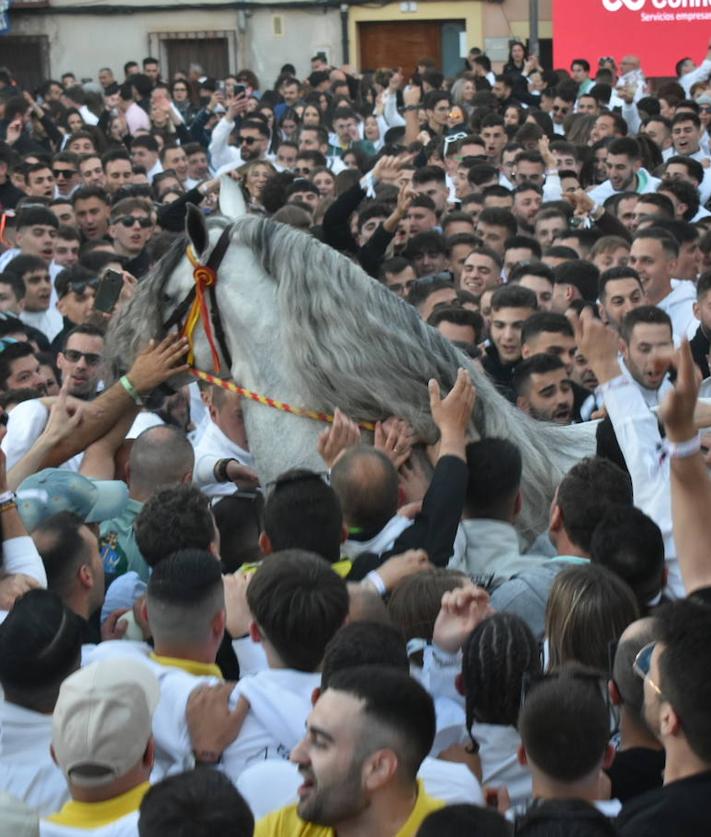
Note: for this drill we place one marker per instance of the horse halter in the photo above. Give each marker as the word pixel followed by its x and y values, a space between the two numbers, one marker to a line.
pixel 194 309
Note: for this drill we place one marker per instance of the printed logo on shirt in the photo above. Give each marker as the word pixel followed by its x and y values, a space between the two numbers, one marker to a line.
pixel 113 557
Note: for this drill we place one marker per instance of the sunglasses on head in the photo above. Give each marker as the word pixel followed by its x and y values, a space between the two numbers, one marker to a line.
pixel 73 356
pixel 246 140
pixel 68 173
pixel 80 287
pixel 129 220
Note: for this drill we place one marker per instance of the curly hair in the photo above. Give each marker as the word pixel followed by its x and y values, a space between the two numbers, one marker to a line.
pixel 174 518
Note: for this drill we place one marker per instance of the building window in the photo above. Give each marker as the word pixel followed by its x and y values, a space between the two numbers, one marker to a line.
pixel 215 52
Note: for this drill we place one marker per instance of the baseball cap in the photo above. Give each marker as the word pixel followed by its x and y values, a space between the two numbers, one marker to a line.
pixel 102 720
pixel 54 490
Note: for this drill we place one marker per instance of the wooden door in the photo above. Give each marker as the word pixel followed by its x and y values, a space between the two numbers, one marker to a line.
pixel 211 53
pixel 399 43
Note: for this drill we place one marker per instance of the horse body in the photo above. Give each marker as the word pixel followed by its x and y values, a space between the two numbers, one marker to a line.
pixel 306 326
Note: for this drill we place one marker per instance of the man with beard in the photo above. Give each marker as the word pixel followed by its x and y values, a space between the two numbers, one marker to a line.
pixel 624 171
pixel 544 390
pixel 365 740
pixel 676 686
pixel 80 361
pixel 647 351
pixel 527 202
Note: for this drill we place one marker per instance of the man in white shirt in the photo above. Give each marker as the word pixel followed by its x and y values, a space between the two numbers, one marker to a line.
pixel 686 132
pixel 36 230
pixel 222 459
pixel 625 172
pixel 689 74
pixel 654 256
pixel 647 348
pixel 145 152
pixel 103 744
pixel 40 645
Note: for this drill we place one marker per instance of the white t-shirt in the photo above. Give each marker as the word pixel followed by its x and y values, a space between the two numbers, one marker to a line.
pixel 679 305
pixel 498 748
pixel 26 424
pixel 213 446
pixel 19 555
pixel 27 770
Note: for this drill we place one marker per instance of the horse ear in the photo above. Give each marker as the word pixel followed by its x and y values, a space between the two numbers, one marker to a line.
pixel 232 203
pixel 196 229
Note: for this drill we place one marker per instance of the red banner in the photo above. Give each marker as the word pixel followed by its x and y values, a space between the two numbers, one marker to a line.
pixel 660 32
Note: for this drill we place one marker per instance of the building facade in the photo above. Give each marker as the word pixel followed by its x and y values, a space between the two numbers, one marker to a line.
pixel 49 37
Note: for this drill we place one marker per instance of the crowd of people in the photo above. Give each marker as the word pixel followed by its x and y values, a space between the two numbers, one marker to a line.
pixel 373 648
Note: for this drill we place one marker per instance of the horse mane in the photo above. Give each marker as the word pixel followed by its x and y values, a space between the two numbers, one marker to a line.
pixel 351 343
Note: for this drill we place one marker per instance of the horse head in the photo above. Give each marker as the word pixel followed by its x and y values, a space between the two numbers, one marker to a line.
pixel 306 326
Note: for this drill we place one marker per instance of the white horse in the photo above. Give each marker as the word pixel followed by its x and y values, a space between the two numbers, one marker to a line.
pixel 306 326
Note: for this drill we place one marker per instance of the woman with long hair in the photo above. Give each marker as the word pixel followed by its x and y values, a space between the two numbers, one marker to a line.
pixel 254 177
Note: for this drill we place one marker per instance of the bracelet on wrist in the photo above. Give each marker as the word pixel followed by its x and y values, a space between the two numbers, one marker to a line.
pixel 10 505
pixel 375 579
pixel 131 390
pixel 7 497
pixel 220 469
pixel 679 450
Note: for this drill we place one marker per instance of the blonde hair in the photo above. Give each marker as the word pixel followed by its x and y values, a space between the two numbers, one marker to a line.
pixel 588 608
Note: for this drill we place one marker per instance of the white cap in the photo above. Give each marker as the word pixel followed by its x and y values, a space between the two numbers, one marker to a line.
pixel 102 720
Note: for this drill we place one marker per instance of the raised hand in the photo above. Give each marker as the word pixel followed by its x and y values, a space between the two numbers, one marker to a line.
pixel 677 408
pixel 454 412
pixel 344 433
pixel 598 343
pixel 462 609
pixel 394 438
pixel 159 362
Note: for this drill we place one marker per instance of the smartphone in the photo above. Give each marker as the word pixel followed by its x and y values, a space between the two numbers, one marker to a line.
pixel 220 86
pixel 238 90
pixel 108 291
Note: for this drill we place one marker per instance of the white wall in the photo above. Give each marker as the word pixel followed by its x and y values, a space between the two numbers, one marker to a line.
pixel 84 43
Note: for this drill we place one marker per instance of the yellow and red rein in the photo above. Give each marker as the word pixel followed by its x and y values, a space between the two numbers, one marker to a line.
pixel 204 277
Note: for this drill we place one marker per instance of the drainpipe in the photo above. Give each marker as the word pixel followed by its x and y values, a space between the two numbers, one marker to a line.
pixel 345 46
pixel 533 23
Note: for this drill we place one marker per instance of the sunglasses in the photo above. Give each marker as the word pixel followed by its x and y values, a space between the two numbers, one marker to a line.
pixel 301 170
pixel 642 664
pixel 560 110
pixel 73 356
pixel 401 287
pixel 246 140
pixel 68 173
pixel 129 221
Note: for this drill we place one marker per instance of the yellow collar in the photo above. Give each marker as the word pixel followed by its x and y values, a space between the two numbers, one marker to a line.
pixel 191 666
pixel 342 567
pixel 96 814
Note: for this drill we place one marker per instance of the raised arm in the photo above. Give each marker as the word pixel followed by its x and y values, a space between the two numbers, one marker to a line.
pixel 690 483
